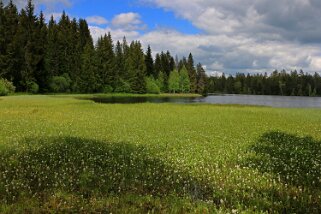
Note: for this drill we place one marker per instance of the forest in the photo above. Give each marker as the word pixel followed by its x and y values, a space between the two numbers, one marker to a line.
pixel 59 57
pixel 37 56
pixel 278 83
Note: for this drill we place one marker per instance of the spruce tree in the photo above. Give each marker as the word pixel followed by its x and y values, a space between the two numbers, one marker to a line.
pixel 2 41
pixel 136 68
pixel 119 65
pixel 88 77
pixel 106 61
pixel 191 72
pixel 149 62
pixel 202 79
pixel 157 65
pixel 52 51
pixel 11 26
pixel 41 75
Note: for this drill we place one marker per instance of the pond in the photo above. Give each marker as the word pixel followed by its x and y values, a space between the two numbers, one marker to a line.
pixel 272 101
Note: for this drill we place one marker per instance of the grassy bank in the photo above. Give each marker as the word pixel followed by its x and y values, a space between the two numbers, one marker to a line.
pixel 68 155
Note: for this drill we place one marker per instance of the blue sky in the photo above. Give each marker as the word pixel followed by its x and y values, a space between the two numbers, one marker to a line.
pixel 224 35
pixel 154 17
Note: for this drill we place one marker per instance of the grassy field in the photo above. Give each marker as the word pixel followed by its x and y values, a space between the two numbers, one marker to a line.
pixel 60 154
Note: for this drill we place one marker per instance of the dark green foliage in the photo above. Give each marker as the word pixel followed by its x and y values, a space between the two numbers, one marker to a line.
pixel 149 62
pixel 60 84
pixel 135 65
pixel 88 79
pixel 107 89
pixel 108 75
pixel 278 83
pixel 6 87
pixel 201 86
pixel 192 73
pixel 32 87
pixel 123 87
pixel 33 52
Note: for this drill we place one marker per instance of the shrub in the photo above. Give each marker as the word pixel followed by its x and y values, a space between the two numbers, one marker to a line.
pixel 123 87
pixel 6 87
pixel 151 86
pixel 32 87
pixel 108 89
pixel 60 84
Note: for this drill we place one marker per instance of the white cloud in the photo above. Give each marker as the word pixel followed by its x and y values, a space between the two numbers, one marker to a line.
pixel 245 35
pixel 128 21
pixel 96 20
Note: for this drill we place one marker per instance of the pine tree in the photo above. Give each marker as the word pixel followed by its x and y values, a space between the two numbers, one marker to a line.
pixel 191 72
pixel 84 37
pixel 106 61
pixel 119 65
pixel 2 41
pixel 202 80
pixel 11 26
pixel 157 65
pixel 136 67
pixel 31 57
pixel 41 75
pixel 52 55
pixel 149 62
pixel 88 77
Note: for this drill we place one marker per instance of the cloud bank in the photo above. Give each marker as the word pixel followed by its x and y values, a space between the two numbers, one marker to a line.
pixel 236 35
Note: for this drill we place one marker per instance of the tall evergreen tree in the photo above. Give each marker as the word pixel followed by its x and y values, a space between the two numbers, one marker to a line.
pixel 191 72
pixel 202 79
pixel 119 64
pixel 88 77
pixel 106 61
pixel 11 26
pixel 136 67
pixel 149 62
pixel 40 51
pixel 2 41
pixel 52 56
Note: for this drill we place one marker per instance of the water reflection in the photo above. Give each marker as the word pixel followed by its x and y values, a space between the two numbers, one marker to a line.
pixel 273 101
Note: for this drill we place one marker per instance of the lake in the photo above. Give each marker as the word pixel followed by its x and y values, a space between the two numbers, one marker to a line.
pixel 259 100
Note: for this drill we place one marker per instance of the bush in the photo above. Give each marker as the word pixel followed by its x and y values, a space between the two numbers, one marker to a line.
pixel 151 86
pixel 60 84
pixel 32 87
pixel 6 87
pixel 124 87
pixel 108 89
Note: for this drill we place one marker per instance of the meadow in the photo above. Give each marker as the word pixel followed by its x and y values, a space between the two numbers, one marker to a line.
pixel 59 154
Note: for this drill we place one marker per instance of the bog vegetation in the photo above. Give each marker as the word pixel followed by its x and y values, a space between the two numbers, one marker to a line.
pixel 60 154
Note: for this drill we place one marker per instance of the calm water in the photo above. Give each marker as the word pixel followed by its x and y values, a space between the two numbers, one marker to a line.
pixel 273 101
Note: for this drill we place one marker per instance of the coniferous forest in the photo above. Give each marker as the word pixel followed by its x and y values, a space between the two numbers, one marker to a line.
pixel 278 83
pixel 37 56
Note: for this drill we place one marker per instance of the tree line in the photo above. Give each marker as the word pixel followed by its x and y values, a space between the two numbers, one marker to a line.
pixel 37 56
pixel 283 83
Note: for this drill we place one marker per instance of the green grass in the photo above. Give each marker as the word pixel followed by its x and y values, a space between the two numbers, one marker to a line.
pixel 61 154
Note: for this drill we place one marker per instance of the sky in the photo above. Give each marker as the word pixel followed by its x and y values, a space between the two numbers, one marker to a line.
pixel 227 36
